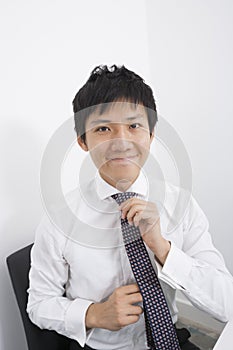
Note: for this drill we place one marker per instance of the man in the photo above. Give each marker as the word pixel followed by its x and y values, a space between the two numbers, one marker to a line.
pixel 82 278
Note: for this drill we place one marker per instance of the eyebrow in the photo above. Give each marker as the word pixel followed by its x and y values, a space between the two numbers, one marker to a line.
pixel 102 121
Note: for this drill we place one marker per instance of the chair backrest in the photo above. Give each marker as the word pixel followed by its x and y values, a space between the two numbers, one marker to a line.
pixel 18 265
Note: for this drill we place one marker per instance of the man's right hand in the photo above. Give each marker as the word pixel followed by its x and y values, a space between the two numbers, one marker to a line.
pixel 117 311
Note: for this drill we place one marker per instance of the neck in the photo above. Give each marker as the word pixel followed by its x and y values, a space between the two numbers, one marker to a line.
pixel 122 184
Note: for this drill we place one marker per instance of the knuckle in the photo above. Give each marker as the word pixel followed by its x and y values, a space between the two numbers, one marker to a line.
pixel 117 300
pixel 141 310
pixel 135 318
pixel 117 292
pixel 139 297
pixel 120 320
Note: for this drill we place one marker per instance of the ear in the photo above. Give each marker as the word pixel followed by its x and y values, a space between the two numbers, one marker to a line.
pixel 82 144
pixel 152 136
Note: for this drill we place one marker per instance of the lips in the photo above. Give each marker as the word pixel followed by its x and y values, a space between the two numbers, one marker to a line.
pixel 120 157
pixel 125 159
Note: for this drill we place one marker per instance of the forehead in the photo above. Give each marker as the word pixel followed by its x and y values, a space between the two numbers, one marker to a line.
pixel 117 112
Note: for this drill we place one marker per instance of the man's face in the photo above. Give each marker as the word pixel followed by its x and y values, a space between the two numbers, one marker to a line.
pixel 119 141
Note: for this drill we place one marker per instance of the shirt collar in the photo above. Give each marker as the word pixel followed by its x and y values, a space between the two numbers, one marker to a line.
pixel 105 190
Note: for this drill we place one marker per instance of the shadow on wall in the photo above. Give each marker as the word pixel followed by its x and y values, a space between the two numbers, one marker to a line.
pixel 21 211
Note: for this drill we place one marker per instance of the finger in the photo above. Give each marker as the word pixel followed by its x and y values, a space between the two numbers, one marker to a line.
pixel 129 319
pixel 134 298
pixel 148 216
pixel 136 219
pixel 146 206
pixel 147 224
pixel 132 211
pixel 135 310
pixel 125 208
pixel 130 202
pixel 130 288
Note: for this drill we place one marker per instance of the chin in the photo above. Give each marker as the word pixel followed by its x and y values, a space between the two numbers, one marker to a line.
pixel 125 172
pixel 120 174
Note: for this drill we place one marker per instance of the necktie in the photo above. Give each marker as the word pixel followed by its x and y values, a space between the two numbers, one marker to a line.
pixel 160 331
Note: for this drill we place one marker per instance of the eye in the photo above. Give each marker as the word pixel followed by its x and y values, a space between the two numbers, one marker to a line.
pixel 102 128
pixel 135 125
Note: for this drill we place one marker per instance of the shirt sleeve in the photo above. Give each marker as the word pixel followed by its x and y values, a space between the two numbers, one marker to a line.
pixel 198 269
pixel 48 307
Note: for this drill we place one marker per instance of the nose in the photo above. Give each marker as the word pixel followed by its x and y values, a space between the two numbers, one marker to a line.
pixel 121 140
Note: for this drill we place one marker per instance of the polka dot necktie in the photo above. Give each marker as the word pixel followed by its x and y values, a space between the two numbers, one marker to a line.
pixel 160 331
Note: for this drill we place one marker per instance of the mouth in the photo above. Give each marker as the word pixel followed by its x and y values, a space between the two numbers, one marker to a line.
pixel 123 160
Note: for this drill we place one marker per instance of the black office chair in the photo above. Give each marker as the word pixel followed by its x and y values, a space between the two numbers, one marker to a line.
pixel 18 265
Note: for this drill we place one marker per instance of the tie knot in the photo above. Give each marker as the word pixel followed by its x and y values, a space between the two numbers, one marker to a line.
pixel 123 196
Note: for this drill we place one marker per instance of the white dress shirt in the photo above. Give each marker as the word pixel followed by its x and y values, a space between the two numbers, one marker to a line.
pixel 84 257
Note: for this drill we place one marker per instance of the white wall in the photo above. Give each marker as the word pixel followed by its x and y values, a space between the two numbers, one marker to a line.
pixel 191 55
pixel 48 48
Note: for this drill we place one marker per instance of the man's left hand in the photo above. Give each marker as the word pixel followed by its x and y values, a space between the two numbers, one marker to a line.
pixel 145 215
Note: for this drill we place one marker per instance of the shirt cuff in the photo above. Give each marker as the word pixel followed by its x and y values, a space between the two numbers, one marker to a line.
pixel 176 268
pixel 75 321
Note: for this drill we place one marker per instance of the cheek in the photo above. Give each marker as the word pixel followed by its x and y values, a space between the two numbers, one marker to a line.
pixel 144 145
pixel 98 154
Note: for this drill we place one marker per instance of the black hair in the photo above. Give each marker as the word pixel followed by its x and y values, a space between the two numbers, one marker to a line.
pixel 109 85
